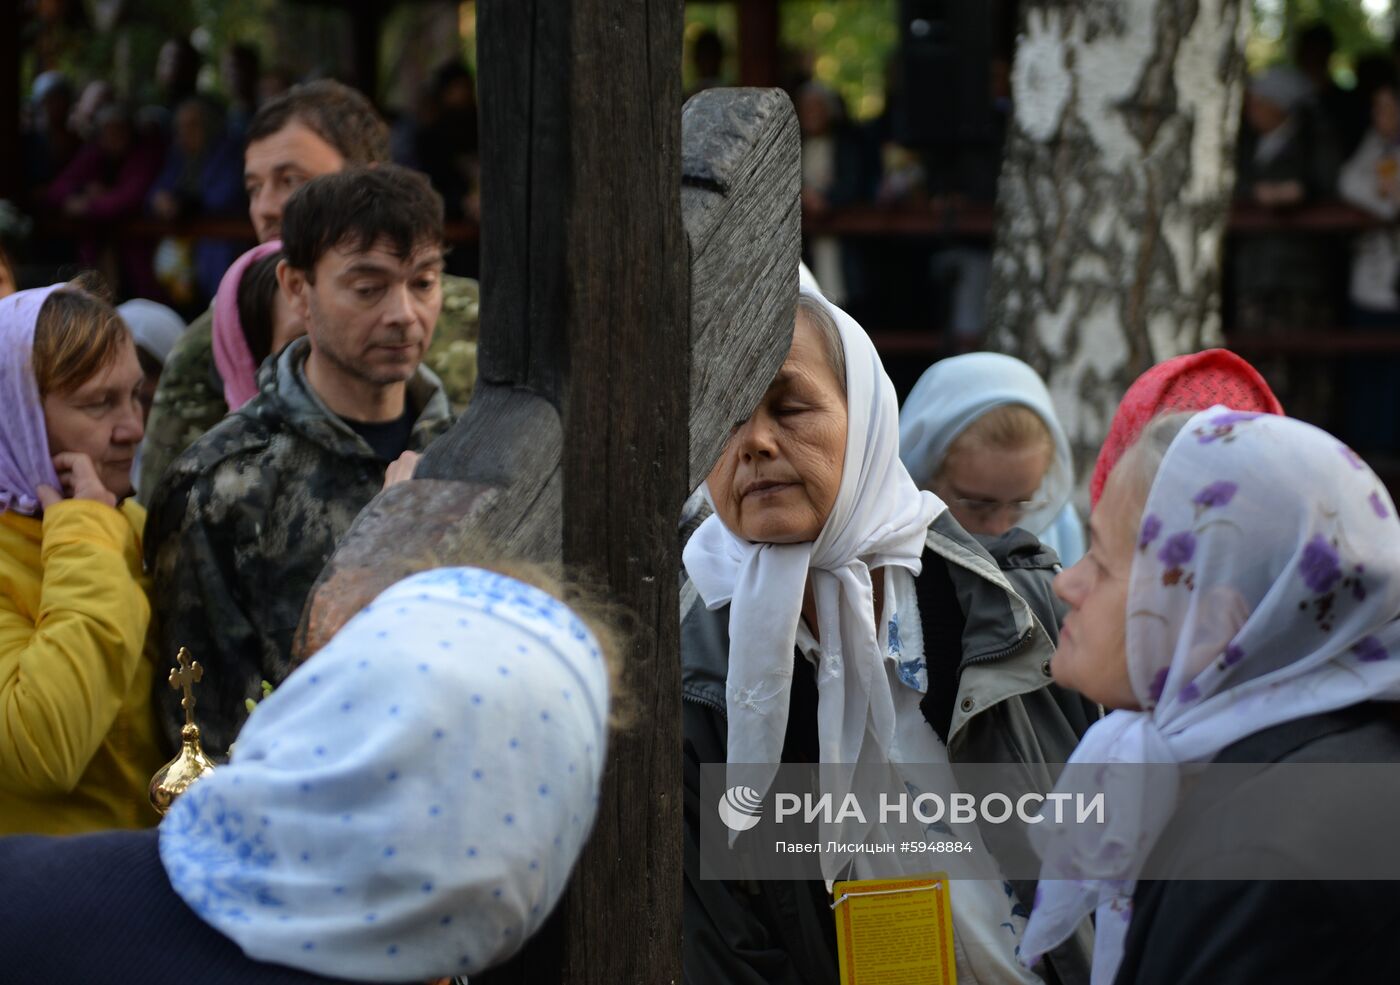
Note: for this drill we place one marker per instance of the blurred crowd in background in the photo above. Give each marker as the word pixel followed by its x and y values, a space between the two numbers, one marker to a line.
pixel 117 162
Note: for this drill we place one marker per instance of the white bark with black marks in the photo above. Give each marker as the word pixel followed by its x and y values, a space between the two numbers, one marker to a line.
pixel 1113 195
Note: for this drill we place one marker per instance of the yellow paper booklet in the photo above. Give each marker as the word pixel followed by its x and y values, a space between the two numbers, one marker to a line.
pixel 895 931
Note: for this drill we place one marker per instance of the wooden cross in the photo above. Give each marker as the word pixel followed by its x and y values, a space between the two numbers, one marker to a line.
pixel 639 284
pixel 184 678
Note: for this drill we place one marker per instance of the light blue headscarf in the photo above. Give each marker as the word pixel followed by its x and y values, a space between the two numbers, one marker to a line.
pixel 952 394
pixel 410 802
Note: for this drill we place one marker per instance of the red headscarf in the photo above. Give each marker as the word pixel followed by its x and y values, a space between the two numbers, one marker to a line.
pixel 1191 382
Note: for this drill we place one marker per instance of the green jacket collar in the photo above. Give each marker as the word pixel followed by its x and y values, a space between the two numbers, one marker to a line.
pixel 285 391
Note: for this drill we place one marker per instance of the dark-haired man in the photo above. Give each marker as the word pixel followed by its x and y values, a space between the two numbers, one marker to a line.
pixel 309 130
pixel 244 520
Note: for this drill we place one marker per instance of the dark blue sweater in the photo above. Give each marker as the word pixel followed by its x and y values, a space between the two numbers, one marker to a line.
pixel 98 910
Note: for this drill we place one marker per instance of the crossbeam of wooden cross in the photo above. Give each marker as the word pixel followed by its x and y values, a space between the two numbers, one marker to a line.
pixel 639 284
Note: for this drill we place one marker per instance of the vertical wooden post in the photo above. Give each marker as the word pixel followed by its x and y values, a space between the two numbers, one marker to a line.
pixel 584 258
pixel 607 388
pixel 626 419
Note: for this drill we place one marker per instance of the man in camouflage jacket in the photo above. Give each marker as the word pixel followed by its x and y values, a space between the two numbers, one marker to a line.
pixel 244 520
pixel 190 397
pixel 313 129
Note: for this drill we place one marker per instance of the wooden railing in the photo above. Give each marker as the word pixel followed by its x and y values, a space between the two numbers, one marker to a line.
pixel 937 220
pixel 926 220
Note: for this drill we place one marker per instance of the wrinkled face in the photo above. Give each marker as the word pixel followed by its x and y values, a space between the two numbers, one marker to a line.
pixel 102 419
pixel 370 314
pixel 1385 114
pixel 989 490
pixel 278 165
pixel 1092 657
pixel 777 478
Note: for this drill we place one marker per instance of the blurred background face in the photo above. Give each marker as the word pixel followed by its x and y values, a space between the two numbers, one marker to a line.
pixel 56 106
pixel 96 95
pixel 114 134
pixel 278 165
pixel 1385 114
pixel 1262 115
pixel 989 490
pixel 1092 657
pixel 814 114
pixel 776 480
pixel 189 129
pixel 102 419
pixel 459 95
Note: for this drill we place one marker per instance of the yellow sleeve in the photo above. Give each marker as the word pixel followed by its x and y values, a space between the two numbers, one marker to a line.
pixel 65 670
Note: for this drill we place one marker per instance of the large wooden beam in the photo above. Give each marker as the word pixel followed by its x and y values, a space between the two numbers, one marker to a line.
pixel 740 197
pixel 607 388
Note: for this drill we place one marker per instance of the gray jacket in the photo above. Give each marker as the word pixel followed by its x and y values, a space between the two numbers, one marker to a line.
pixel 988 610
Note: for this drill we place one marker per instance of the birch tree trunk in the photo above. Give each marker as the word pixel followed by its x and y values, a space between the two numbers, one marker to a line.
pixel 1113 195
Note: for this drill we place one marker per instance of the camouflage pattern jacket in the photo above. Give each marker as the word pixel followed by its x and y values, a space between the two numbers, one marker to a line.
pixel 241 526
pixel 190 397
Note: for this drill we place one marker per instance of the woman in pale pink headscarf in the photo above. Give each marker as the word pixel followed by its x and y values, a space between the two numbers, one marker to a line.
pixel 251 321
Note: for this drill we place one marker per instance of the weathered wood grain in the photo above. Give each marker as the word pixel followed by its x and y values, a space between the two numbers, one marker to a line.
pixel 608 387
pixel 740 196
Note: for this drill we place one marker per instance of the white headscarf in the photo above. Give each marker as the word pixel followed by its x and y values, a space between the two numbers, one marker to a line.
pixel 1265 589
pixel 154 327
pixel 880 519
pixel 410 802
pixel 955 392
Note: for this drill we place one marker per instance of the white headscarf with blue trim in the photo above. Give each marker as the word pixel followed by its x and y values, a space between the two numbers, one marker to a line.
pixel 955 392
pixel 880 519
pixel 410 802
pixel 1265 589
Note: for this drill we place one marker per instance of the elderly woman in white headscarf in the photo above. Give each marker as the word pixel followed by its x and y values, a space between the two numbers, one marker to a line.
pixel 408 805
pixel 847 618
pixel 980 432
pixel 1238 604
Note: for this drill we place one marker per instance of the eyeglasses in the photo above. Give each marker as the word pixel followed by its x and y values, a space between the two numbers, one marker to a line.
pixel 985 509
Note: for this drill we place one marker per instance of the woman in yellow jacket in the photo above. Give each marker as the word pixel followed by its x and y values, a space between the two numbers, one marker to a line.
pixel 77 731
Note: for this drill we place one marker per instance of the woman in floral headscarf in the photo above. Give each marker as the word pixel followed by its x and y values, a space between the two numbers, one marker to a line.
pixel 1243 583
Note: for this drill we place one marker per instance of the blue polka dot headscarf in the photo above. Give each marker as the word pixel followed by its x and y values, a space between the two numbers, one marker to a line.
pixel 410 802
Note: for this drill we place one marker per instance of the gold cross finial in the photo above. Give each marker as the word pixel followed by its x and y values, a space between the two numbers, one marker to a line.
pixel 183 678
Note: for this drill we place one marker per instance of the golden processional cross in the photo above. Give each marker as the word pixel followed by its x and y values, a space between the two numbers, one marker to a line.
pixel 190 763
